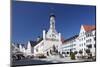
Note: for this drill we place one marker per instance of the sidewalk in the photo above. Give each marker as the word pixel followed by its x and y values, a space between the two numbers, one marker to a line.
pixel 57 59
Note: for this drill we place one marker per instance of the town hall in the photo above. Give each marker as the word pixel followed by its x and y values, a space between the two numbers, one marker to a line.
pixel 51 40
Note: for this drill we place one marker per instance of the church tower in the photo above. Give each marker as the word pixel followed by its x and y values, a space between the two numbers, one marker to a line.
pixel 52 21
pixel 51 39
pixel 52 29
pixel 52 33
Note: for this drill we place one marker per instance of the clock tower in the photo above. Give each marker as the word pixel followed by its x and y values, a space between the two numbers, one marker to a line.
pixel 52 22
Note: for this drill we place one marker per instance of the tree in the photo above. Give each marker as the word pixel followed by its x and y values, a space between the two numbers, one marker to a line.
pixel 72 55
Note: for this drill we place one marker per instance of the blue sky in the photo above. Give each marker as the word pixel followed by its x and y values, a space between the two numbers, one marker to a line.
pixel 30 18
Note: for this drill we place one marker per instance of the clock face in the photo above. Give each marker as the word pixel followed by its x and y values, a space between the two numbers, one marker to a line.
pixel 53 35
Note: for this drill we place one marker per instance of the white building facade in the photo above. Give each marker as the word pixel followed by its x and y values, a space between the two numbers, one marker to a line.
pixel 27 50
pixel 51 40
pixel 86 40
pixel 69 45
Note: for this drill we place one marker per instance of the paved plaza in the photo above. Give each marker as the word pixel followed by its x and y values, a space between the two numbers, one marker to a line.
pixel 48 60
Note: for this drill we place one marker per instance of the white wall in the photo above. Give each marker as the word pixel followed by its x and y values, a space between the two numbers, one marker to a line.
pixel 40 48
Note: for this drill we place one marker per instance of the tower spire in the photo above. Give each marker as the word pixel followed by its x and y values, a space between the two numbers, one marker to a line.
pixel 52 21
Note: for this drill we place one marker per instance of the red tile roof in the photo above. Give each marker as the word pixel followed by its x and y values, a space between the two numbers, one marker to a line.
pixel 89 27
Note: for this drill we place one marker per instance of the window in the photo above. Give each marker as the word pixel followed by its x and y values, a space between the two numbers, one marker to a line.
pixel 90 40
pixel 74 44
pixel 84 44
pixel 83 33
pixel 89 46
pixel 80 45
pixel 36 50
pixel 91 34
pixel 94 45
pixel 80 34
pixel 53 35
pixel 94 38
pixel 50 35
pixel 86 41
pixel 74 48
pixel 87 35
pixel 84 38
pixel 63 52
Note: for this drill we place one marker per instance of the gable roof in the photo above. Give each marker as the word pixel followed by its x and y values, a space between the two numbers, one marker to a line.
pixel 89 27
pixel 71 38
pixel 39 40
pixel 62 39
